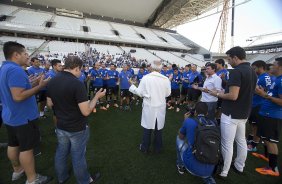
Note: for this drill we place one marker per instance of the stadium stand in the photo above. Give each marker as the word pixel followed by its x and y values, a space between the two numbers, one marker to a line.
pixel 141 53
pixel 108 49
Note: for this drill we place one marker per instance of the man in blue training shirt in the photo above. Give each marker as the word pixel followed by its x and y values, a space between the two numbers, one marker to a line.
pixel 124 77
pixel 270 119
pixel 185 158
pixel 20 112
pixel 264 81
pixel 194 78
pixel 112 91
pixel 165 71
pixel 141 73
pixel 175 79
pixel 185 83
pixel 96 76
pixel 41 98
pixel 56 67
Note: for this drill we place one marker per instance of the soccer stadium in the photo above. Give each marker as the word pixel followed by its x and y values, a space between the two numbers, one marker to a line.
pixel 57 128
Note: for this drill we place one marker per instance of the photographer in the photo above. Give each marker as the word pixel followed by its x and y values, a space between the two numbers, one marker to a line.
pixel 186 159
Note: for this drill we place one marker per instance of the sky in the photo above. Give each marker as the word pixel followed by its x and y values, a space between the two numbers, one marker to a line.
pixel 256 17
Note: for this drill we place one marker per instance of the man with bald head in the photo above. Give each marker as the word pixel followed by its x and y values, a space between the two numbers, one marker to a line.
pixel 153 88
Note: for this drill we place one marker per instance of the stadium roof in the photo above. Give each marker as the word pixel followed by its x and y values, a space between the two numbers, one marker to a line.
pixel 159 13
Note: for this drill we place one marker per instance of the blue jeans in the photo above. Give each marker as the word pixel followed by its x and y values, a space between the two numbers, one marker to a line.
pixel 211 109
pixel 181 146
pixel 73 143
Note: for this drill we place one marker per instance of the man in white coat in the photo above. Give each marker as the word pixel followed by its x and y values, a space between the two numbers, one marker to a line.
pixel 153 88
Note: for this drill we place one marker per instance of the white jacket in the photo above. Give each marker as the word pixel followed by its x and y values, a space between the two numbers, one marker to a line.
pixel 153 88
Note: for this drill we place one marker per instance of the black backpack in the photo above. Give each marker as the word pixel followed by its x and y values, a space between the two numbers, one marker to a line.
pixel 206 147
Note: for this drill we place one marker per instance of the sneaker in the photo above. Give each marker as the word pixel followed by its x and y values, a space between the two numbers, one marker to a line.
pixel 40 180
pixel 142 149
pixel 171 108
pixel 261 156
pixel 94 178
pixel 235 169
pixel 177 109
pixel 103 108
pixel 251 148
pixel 180 169
pixel 17 175
pixel 108 106
pixel 268 171
pixel 116 105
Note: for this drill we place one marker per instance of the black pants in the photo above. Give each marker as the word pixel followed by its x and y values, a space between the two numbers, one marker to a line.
pixel 146 141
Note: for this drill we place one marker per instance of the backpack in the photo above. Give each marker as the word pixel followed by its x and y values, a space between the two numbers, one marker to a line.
pixel 206 147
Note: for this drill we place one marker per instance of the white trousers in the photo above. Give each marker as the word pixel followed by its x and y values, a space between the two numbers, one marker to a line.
pixel 233 129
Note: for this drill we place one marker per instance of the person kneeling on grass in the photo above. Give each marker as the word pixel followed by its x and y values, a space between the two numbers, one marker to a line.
pixel 186 160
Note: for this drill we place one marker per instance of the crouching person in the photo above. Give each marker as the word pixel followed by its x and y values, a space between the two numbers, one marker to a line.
pixel 188 144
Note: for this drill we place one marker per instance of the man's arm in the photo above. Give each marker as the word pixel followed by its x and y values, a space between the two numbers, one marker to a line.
pixel 260 91
pixel 20 94
pixel 87 107
pixel 232 95
pixel 49 102
pixel 141 90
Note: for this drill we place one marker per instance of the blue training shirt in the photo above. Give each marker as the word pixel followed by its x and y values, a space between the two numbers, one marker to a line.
pixel 264 81
pixel 82 77
pixel 113 75
pixel 141 75
pixel 269 108
pixel 224 72
pixel 185 77
pixel 51 74
pixel 166 73
pixel 97 78
pixel 176 79
pixel 191 163
pixel 35 71
pixel 104 75
pixel 195 77
pixel 16 113
pixel 124 78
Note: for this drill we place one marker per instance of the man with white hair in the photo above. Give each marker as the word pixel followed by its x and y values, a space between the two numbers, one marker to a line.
pixel 153 88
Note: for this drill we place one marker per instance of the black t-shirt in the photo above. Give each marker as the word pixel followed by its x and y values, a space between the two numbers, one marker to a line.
pixel 66 92
pixel 244 77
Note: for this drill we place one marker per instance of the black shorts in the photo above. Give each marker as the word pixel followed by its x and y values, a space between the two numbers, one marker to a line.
pixel 253 118
pixel 184 91
pixel 96 89
pixel 194 94
pixel 175 93
pixel 26 137
pixel 269 129
pixel 41 96
pixel 112 91
pixel 125 93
